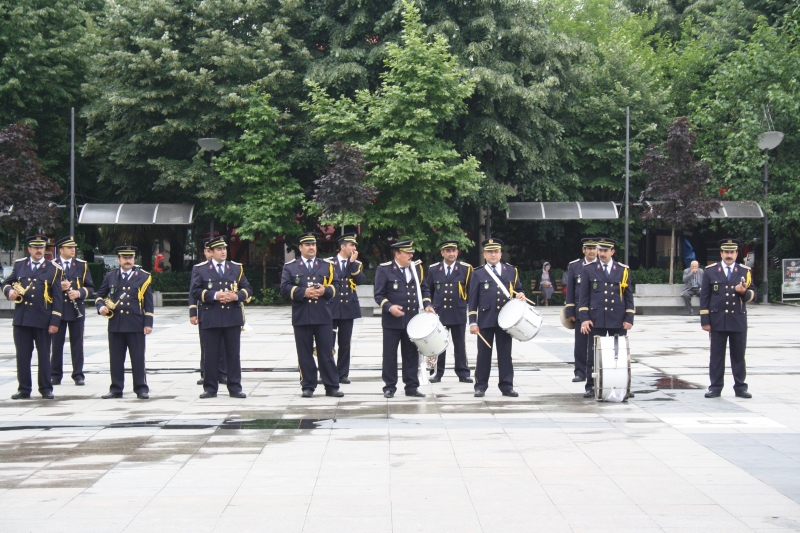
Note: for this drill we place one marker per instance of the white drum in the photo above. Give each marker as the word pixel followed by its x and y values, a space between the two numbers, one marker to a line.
pixel 612 369
pixel 520 320
pixel 428 334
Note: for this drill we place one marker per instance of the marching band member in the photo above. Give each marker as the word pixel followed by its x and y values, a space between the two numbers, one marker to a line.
pixel 396 295
pixel 347 274
pixel 308 283
pixel 492 286
pixel 448 283
pixel 126 299
pixel 35 286
pixel 723 313
pixel 574 280
pixel 606 302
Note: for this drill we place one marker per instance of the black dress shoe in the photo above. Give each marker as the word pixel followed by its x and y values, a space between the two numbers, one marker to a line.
pixel 415 394
pixel 631 395
pixel 111 395
pixel 578 379
pixel 80 382
pixel 55 381
pixel 207 394
pixel 713 394
pixel 743 394
pixel 48 395
pixel 335 393
pixel 434 379
pixel 465 380
pixel 239 394
pixel 511 393
pixel 201 381
pixel 308 393
pixel 143 395
pixel 344 381
pixel 588 394
pixel 388 394
pixel 223 381
pixel 480 393
pixel 21 396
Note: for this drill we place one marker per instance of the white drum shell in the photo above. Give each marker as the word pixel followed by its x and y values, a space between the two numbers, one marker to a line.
pixel 520 320
pixel 428 334
pixel 612 375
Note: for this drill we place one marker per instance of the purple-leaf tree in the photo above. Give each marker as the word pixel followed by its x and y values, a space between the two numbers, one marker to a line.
pixel 342 190
pixel 26 194
pixel 677 183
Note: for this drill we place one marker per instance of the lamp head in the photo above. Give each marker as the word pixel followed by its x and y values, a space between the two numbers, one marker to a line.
pixel 769 139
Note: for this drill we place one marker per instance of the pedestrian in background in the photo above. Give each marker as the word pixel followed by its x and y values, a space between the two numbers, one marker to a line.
pixel 693 280
pixel 546 283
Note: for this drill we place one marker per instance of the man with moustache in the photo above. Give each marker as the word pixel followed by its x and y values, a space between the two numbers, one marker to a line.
pixel 35 286
pixel 76 286
pixel 195 318
pixel 308 283
pixel 448 283
pixel 574 280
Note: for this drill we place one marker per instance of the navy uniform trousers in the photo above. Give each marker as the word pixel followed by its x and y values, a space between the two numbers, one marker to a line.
pixel 409 357
pixel 483 365
pixel 343 330
pixel 133 342
pixel 76 328
pixel 222 344
pixel 304 338
pixel 223 360
pixel 25 338
pixel 581 352
pixel 457 332
pixel 720 340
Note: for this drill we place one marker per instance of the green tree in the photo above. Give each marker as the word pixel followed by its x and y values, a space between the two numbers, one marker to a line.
pixel 398 129
pixel 259 194
pixel 45 46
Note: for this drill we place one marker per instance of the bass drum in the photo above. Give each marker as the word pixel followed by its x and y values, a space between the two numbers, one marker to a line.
pixel 520 320
pixel 612 364
pixel 429 335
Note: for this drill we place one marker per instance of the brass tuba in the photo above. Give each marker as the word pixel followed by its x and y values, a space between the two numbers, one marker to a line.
pixel 111 306
pixel 20 290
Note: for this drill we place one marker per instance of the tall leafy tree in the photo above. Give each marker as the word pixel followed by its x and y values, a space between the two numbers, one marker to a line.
pixel 26 193
pixel 397 127
pixel 678 182
pixel 259 194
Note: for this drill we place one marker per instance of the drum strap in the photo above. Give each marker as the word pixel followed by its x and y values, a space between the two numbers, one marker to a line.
pixel 488 270
pixel 419 291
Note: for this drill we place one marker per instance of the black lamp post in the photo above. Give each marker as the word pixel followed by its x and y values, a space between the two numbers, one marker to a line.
pixel 212 145
pixel 767 141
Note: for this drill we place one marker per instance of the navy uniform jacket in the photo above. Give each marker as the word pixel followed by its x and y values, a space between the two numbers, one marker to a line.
pixel 296 278
pixel 43 303
pixel 345 304
pixel 134 299
pixel 81 281
pixel 485 297
pixel 574 283
pixel 193 309
pixel 606 300
pixel 206 282
pixel 450 296
pixel 391 289
pixel 721 306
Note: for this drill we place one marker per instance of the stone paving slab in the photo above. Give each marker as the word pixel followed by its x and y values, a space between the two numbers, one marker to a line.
pixel 669 460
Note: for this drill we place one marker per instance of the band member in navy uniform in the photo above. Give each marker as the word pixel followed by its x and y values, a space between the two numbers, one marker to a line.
pixel 126 299
pixel 723 313
pixel 396 295
pixel 308 283
pixel 221 289
pixel 347 273
pixel 76 286
pixel 195 318
pixel 574 280
pixel 35 286
pixel 448 283
pixel 486 299
pixel 605 306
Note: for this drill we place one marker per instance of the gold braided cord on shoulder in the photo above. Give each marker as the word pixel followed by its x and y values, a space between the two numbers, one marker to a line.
pixel 47 297
pixel 624 283
pixel 241 273
pixel 143 289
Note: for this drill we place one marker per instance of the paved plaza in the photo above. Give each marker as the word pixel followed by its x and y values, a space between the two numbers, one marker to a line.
pixel 668 460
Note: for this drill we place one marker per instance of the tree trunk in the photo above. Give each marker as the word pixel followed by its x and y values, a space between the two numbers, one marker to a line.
pixel 176 247
pixel 671 254
pixel 14 256
pixel 342 224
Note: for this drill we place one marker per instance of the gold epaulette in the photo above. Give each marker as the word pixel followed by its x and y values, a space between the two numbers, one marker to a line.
pixel 200 264
pixel 434 265
pixel 386 264
pixel 56 265
pixel 417 262
pixel 23 259
pixel 465 264
pixel 623 265
pixel 712 265
pixel 290 262
pixel 575 261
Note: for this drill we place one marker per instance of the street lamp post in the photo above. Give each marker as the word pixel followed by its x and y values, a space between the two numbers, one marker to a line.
pixel 212 145
pixel 767 141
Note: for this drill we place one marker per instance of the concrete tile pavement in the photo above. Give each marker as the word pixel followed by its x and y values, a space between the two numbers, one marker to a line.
pixel 669 460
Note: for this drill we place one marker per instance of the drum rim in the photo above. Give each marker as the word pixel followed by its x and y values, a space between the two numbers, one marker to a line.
pixel 522 315
pixel 598 364
pixel 435 324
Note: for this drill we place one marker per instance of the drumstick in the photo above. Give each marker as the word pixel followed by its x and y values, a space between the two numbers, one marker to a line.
pixel 484 340
pixel 530 302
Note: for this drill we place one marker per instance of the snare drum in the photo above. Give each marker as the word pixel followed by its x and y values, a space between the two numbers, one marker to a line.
pixel 520 320
pixel 612 365
pixel 428 334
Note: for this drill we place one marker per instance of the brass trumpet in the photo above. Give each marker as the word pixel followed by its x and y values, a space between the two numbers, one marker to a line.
pixel 20 290
pixel 111 305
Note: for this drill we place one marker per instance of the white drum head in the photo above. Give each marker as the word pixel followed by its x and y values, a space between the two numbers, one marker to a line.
pixel 422 325
pixel 511 313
